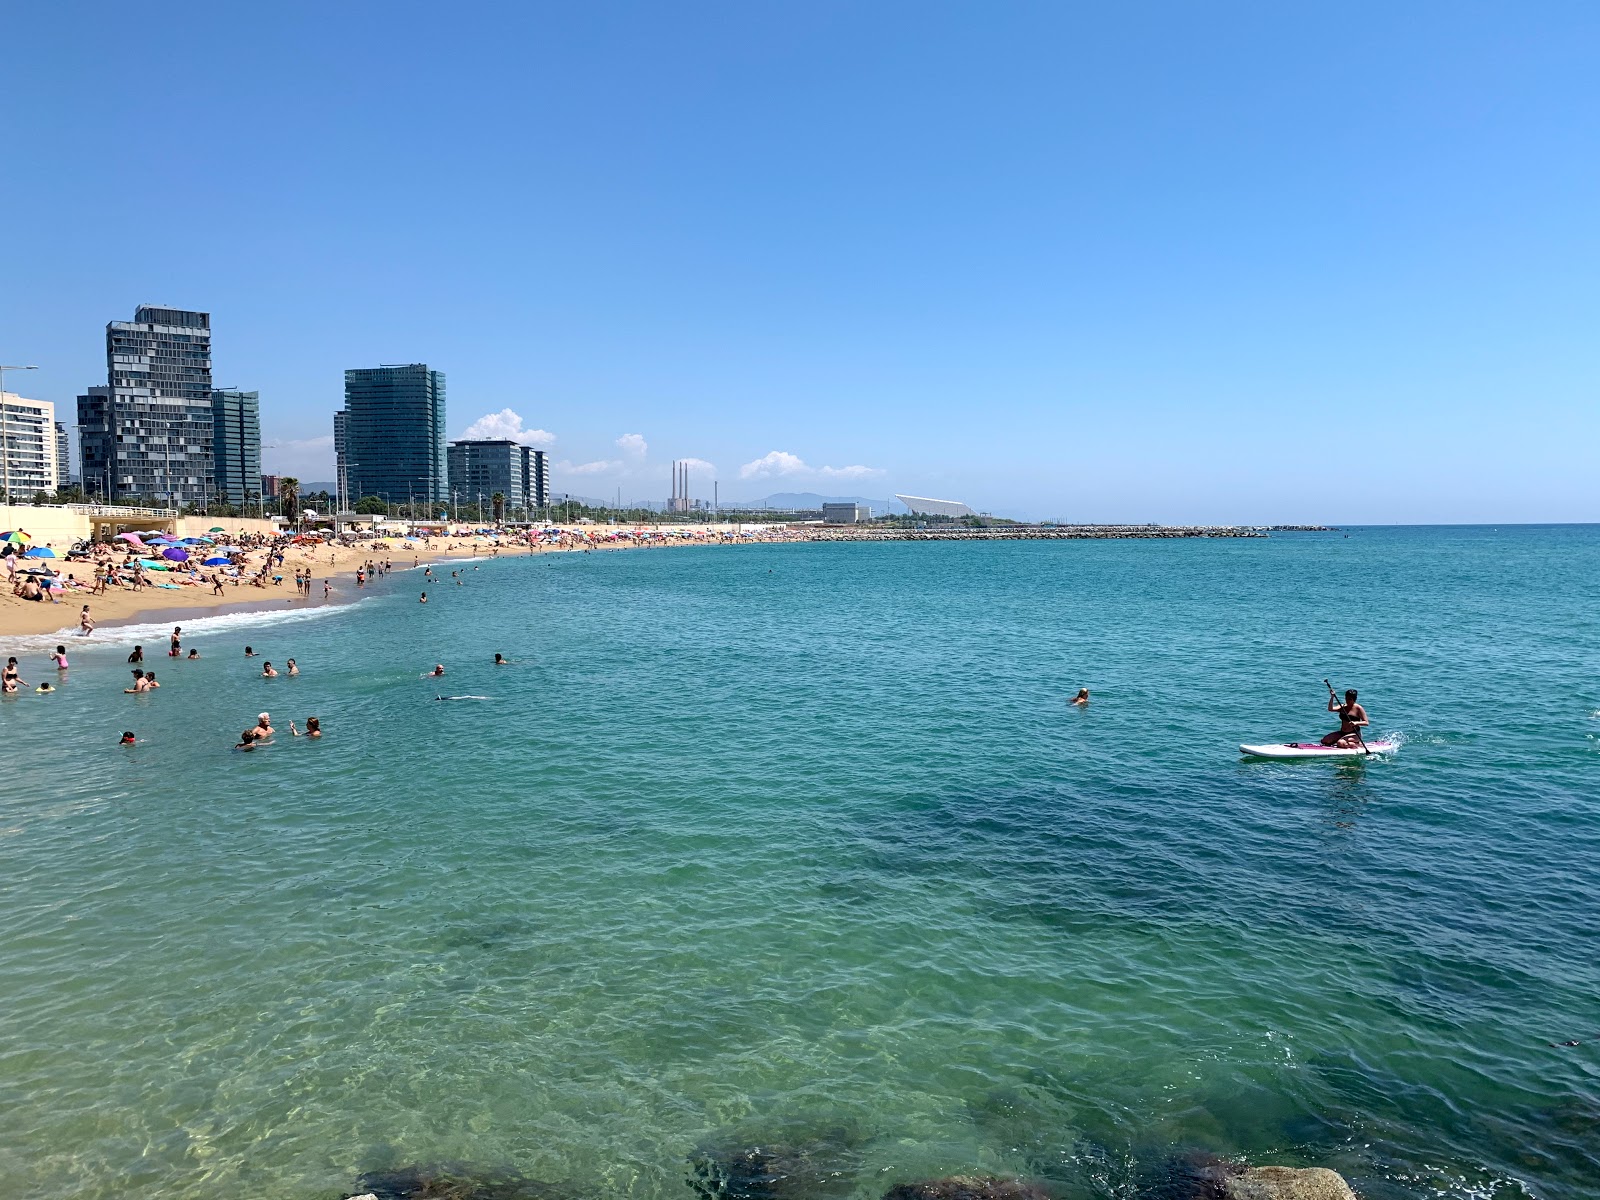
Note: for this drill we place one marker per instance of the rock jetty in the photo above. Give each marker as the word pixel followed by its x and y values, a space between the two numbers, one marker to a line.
pixel 1020 533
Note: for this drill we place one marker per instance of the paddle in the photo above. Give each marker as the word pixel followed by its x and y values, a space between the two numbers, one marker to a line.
pixel 1335 696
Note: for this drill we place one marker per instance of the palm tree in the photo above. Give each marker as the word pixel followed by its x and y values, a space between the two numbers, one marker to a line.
pixel 289 496
pixel 497 503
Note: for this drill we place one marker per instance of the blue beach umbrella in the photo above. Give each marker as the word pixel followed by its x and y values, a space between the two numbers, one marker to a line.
pixel 175 553
pixel 40 552
pixel 217 560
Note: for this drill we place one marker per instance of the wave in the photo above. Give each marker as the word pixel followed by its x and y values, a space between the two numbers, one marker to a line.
pixel 149 631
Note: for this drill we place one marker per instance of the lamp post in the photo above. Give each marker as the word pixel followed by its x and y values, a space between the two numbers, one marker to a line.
pixel 5 426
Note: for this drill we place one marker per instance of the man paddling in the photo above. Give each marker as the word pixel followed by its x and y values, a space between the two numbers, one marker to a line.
pixel 1352 719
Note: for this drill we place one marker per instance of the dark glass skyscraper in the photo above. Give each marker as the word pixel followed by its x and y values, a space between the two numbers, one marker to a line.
pixel 393 427
pixel 480 468
pixel 149 432
pixel 236 445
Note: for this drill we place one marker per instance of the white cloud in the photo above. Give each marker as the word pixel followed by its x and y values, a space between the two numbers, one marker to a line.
pixel 699 464
pixel 852 472
pixel 633 445
pixel 507 424
pixel 780 464
pixel 599 467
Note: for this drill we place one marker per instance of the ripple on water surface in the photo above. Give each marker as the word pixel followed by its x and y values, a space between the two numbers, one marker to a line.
pixel 791 864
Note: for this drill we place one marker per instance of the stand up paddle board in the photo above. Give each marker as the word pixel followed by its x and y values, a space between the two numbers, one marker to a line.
pixel 1316 750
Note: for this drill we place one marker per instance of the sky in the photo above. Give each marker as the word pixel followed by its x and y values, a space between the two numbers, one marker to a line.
pixel 1231 262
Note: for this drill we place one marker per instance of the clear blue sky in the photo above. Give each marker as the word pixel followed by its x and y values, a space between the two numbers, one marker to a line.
pixel 1214 262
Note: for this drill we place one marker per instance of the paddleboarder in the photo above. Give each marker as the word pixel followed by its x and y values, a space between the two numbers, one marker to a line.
pixel 1352 719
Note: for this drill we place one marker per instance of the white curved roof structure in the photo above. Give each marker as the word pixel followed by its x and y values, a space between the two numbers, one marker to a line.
pixel 935 508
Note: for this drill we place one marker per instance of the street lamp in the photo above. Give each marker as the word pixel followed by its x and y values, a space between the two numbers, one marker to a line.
pixel 5 426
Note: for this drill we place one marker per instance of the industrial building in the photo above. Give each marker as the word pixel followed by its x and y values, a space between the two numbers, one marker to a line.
pixel 923 506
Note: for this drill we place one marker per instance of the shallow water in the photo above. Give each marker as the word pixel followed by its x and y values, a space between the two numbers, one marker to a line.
pixel 802 844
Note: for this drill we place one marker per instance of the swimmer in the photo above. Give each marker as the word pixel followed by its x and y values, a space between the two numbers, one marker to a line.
pixel 177 641
pixel 1081 698
pixel 193 654
pixel 127 738
pixel 247 740
pixel 44 689
pixel 313 728
pixel 500 660
pixel 60 658
pixel 150 678
pixel 437 671
pixel 263 729
pixel 137 656
pixel 249 653
pixel 293 670
pixel 424 599
pixel 139 685
pixel 267 671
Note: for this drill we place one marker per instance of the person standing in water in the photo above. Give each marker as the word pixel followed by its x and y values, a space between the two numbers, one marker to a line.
pixel 1352 720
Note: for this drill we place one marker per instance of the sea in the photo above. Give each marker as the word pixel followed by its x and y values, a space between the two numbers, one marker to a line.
pixel 800 849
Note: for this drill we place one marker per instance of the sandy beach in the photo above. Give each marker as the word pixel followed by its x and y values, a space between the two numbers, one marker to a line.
pixel 330 563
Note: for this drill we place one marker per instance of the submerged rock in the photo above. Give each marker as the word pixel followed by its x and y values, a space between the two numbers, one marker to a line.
pixel 448 1181
pixel 968 1187
pixel 805 1168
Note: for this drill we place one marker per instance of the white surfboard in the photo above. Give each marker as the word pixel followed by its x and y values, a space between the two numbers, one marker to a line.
pixel 1315 750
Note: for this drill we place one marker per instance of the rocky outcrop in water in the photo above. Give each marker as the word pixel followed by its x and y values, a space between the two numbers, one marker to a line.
pixel 1203 1177
pixel 1287 1183
pixel 968 1187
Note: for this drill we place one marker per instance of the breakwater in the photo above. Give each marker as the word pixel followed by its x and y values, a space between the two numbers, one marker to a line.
pixel 1028 533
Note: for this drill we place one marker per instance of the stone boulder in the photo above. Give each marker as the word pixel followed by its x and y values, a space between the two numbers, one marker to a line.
pixel 1287 1183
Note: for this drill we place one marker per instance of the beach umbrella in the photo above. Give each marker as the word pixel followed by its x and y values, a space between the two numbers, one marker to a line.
pixel 40 552
pixel 175 553
pixel 216 529
pixel 153 564
pixel 215 561
pixel 16 536
pixel 129 537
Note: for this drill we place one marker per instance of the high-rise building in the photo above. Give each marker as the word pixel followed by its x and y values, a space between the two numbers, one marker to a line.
pixel 341 475
pixel 63 457
pixel 27 446
pixel 394 434
pixel 149 431
pixel 236 445
pixel 481 467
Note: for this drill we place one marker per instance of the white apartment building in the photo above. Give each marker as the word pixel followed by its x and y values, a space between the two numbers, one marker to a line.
pixel 27 446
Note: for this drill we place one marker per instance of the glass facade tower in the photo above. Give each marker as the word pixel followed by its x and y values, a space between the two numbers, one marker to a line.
pixel 236 445
pixel 393 434
pixel 480 468
pixel 149 432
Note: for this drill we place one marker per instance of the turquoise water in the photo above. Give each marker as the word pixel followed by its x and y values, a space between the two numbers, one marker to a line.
pixel 802 845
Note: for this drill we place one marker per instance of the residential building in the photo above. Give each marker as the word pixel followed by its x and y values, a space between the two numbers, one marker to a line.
pixel 394 439
pixel 27 446
pixel 148 433
pixel 269 486
pixel 481 467
pixel 63 457
pixel 341 474
pixel 236 445
pixel 845 514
